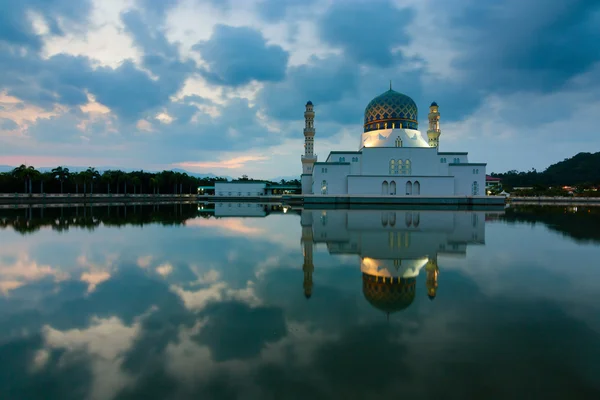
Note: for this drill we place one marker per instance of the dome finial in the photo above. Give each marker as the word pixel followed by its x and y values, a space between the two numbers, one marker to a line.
pixel 390 84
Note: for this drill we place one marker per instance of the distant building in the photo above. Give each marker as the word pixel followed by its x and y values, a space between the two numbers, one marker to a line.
pixel 492 183
pixel 251 189
pixel 393 158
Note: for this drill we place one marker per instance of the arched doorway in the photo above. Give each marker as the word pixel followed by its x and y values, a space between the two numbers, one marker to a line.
pixel 409 188
pixel 385 187
pixel 393 188
pixel 417 187
pixel 475 188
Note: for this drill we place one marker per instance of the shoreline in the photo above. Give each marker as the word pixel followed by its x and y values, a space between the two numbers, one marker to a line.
pixel 308 201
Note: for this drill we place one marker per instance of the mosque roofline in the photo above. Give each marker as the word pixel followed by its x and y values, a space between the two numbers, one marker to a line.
pixel 467 164
pixel 332 163
pixel 345 152
pixel 407 147
pixel 408 176
pixel 445 153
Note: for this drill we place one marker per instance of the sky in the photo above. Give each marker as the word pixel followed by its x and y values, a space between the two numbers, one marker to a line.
pixel 219 86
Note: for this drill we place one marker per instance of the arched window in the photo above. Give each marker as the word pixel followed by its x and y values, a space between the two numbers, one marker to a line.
pixel 392 218
pixel 417 187
pixel 324 187
pixel 408 219
pixel 392 167
pixel 407 167
pixel 475 188
pixel 416 219
pixel 409 188
pixel 398 142
pixel 384 219
pixel 384 187
pixel 399 167
pixel 393 187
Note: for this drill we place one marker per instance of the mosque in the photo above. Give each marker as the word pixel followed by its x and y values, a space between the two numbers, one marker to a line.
pixel 393 247
pixel 393 158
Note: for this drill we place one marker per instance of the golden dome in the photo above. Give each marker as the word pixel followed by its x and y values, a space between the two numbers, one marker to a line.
pixel 389 294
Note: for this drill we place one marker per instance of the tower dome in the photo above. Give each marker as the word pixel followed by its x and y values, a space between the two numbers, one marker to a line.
pixel 389 294
pixel 391 110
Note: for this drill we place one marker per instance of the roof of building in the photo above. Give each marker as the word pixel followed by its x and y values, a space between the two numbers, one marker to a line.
pixel 391 106
pixel 492 179
pixel 389 295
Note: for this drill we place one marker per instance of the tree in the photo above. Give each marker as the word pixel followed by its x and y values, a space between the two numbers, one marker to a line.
pixel 62 174
pixel 91 175
pixel 27 174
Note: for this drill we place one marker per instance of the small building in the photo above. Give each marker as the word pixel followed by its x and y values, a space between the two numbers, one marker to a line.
pixel 492 183
pixel 241 189
pixel 253 189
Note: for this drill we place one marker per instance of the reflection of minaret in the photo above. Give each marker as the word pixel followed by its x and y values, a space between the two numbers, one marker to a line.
pixel 432 278
pixel 307 267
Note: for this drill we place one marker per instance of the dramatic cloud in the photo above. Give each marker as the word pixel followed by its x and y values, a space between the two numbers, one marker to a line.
pixel 236 56
pixel 197 83
pixel 368 31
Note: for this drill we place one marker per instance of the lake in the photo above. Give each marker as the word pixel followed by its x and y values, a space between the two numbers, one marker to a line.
pixel 249 301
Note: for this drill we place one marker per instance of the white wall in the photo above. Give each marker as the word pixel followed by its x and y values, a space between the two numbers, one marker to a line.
pixel 430 186
pixel 353 158
pixel 307 183
pixel 464 177
pixel 423 161
pixel 239 189
pixel 334 174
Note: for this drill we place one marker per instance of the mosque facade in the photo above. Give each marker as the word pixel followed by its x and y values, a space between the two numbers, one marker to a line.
pixel 393 158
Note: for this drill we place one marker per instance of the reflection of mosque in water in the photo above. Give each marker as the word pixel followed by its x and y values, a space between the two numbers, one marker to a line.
pixel 393 247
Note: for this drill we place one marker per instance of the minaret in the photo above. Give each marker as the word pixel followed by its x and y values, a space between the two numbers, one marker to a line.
pixel 433 133
pixel 309 158
pixel 431 281
pixel 307 252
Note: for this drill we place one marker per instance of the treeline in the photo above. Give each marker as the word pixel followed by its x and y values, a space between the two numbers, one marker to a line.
pixel 581 170
pixel 29 220
pixel 579 223
pixel 26 179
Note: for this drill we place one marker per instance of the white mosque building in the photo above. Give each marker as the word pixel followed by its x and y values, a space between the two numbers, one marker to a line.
pixel 393 158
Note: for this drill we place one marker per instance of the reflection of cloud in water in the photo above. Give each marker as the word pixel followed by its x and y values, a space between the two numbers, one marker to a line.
pixel 24 271
pixel 164 269
pixel 104 342
pixel 94 278
pixel 144 261
pixel 227 226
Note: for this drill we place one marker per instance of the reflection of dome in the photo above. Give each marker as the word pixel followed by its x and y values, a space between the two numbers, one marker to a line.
pixel 391 110
pixel 389 294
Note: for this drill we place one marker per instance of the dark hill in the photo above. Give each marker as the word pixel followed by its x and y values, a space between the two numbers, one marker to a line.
pixel 581 169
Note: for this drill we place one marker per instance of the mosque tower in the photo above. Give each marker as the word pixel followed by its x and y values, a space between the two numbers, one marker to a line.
pixel 433 133
pixel 307 251
pixel 309 158
pixel 431 281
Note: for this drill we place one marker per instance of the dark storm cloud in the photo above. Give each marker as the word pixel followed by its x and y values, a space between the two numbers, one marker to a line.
pixel 367 31
pixel 510 47
pixel 323 81
pixel 238 55
pixel 340 91
pixel 16 29
pixel 520 45
pixel 65 79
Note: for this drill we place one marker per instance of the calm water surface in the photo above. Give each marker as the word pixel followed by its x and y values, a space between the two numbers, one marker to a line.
pixel 241 301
